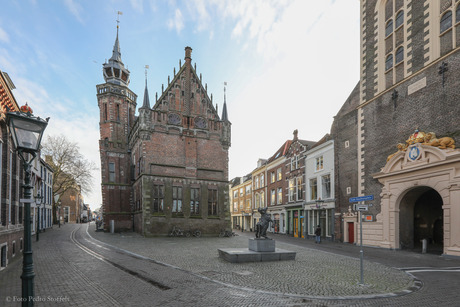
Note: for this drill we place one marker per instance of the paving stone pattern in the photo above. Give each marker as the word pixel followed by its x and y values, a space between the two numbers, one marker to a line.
pixel 314 273
pixel 74 267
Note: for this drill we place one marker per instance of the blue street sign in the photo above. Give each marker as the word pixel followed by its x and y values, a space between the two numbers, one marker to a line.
pixel 361 198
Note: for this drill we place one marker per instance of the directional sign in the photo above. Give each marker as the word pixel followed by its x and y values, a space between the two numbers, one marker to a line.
pixel 361 198
pixel 361 208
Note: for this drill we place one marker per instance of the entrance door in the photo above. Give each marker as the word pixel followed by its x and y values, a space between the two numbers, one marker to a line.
pixel 301 228
pixel 296 227
pixel 421 218
pixel 351 233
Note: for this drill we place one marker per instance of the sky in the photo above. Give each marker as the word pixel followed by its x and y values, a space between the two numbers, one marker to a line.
pixel 288 64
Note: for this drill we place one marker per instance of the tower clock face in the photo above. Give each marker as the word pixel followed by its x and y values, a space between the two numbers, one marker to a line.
pixel 200 123
pixel 174 119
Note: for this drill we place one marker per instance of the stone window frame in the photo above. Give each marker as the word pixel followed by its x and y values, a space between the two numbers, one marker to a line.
pixel 399 55
pixel 177 199
pixel 389 62
pixel 195 201
pixel 213 196
pixel 443 27
pixel 158 198
pixel 399 20
pixel 388 30
pixel 111 172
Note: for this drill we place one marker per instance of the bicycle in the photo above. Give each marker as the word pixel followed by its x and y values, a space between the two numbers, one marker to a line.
pixel 176 232
pixel 225 233
pixel 195 233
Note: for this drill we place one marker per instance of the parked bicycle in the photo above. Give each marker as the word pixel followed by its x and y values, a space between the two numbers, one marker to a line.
pixel 226 233
pixel 176 232
pixel 195 233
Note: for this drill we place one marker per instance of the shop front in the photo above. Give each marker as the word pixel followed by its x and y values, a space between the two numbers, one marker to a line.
pixel 295 222
pixel 321 214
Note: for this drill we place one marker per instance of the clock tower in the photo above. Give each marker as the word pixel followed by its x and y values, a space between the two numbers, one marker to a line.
pixel 117 105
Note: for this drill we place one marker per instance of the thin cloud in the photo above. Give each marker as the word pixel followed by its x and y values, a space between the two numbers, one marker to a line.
pixel 75 9
pixel 177 22
pixel 4 36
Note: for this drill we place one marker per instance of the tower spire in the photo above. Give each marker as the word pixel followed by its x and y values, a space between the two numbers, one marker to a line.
pixel 224 108
pixel 115 71
pixel 146 103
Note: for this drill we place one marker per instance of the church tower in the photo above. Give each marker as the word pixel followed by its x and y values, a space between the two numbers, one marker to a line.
pixel 117 105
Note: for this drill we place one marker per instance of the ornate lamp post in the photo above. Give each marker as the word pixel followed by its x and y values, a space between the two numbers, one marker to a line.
pixel 26 131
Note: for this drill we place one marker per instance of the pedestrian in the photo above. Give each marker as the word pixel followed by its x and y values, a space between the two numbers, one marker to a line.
pixel 318 234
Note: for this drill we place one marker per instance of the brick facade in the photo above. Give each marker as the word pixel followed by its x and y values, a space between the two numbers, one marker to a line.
pixel 393 102
pixel 168 166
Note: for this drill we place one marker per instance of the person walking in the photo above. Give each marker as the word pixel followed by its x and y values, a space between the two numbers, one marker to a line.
pixel 318 234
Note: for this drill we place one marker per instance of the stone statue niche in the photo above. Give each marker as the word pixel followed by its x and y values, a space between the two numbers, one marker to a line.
pixel 262 225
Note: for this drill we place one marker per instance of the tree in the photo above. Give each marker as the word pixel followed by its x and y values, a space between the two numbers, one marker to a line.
pixel 70 167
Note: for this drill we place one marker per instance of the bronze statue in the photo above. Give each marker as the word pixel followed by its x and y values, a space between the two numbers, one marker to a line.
pixel 262 225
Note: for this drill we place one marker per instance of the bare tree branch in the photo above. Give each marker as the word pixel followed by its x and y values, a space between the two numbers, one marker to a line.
pixel 71 169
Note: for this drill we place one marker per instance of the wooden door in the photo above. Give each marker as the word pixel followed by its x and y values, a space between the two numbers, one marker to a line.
pixel 351 233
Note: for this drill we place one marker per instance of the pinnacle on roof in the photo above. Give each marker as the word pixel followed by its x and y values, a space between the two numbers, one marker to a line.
pixel 146 103
pixel 224 108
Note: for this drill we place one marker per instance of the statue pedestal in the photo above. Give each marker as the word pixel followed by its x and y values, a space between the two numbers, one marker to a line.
pixel 261 245
pixel 259 250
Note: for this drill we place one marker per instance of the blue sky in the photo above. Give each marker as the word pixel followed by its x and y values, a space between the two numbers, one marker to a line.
pixel 289 64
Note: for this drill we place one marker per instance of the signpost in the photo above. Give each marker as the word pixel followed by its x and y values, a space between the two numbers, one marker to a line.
pixel 360 208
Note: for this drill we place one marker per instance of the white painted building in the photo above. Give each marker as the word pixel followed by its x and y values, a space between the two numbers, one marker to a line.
pixel 319 208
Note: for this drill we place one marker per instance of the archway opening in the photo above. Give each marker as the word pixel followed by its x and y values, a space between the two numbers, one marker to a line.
pixel 421 218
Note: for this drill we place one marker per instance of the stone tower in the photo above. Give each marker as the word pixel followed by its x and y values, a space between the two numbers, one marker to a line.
pixel 117 105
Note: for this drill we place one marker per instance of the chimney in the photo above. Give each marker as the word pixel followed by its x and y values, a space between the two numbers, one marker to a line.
pixel 295 135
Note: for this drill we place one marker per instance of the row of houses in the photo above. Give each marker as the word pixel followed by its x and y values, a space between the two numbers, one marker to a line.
pixel 296 184
pixel 393 142
pixel 68 207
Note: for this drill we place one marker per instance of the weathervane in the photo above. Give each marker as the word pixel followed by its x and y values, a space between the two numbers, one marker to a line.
pixel 118 17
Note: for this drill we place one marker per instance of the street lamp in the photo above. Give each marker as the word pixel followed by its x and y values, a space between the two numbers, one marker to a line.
pixel 319 203
pixel 38 201
pixel 26 131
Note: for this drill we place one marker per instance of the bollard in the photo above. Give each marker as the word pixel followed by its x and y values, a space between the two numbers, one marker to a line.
pixel 424 244
pixel 112 226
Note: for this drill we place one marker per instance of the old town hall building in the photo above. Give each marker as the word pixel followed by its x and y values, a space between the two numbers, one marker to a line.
pixel 168 166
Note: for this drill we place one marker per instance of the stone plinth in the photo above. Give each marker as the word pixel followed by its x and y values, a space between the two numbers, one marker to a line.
pixel 261 245
pixel 259 250
pixel 237 255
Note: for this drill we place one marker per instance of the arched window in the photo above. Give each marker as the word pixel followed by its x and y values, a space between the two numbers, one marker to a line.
pixel 446 21
pixel 389 28
pixel 399 19
pixel 457 14
pixel 399 55
pixel 389 62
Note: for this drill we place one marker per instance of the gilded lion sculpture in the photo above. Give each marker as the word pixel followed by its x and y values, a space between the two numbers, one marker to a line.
pixel 442 143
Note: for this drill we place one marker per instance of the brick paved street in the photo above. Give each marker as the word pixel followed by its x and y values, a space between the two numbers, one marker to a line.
pixel 77 266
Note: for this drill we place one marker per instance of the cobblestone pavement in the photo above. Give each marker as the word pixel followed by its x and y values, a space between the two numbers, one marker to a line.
pixel 76 266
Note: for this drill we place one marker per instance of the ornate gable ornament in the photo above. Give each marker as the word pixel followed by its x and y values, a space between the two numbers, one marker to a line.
pixel 419 149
